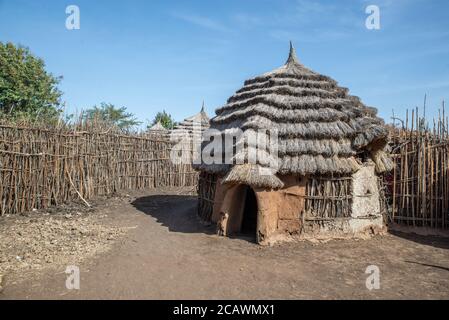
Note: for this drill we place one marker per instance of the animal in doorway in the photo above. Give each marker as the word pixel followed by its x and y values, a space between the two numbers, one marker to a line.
pixel 222 224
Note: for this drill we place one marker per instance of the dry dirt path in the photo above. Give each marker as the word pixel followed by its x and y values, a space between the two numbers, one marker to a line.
pixel 167 254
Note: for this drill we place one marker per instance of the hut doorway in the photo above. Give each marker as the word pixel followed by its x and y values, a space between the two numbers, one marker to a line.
pixel 240 203
pixel 250 209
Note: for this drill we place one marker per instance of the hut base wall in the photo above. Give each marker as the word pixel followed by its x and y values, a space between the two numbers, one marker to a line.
pixel 343 228
pixel 365 193
pixel 278 210
pixel 233 204
pixel 220 193
pixel 366 218
pixel 281 213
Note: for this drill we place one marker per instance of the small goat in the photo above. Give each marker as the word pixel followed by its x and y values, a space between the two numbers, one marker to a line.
pixel 222 224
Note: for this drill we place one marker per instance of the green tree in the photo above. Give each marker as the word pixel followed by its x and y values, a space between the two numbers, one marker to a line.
pixel 165 119
pixel 27 90
pixel 112 115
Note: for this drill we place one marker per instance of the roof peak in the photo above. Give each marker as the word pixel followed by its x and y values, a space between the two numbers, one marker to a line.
pixel 292 58
pixel 157 126
pixel 202 107
pixel 200 116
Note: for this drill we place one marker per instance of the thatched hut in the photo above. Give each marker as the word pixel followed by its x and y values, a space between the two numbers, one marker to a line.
pixel 186 137
pixel 191 127
pixel 158 130
pixel 318 175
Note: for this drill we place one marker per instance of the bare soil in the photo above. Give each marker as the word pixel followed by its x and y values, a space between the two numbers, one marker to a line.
pixel 152 246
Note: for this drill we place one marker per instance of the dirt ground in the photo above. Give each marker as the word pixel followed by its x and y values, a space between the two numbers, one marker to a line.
pixel 151 246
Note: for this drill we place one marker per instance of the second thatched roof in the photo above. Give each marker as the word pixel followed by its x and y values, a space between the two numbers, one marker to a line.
pixel 191 127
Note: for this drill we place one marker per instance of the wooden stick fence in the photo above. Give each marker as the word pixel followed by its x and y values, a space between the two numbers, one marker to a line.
pixel 419 185
pixel 41 167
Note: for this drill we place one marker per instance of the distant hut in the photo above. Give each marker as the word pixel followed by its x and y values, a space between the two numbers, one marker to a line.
pixel 191 127
pixel 187 136
pixel 329 152
pixel 158 130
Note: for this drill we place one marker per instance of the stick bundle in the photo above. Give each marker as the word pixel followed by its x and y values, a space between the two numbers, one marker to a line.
pixel 328 197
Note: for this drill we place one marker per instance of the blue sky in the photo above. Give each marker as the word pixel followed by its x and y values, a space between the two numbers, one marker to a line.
pixel 154 55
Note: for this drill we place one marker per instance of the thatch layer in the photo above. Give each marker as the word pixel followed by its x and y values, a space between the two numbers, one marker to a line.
pixel 319 128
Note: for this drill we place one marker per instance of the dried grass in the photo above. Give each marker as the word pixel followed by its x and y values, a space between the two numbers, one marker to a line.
pixel 321 128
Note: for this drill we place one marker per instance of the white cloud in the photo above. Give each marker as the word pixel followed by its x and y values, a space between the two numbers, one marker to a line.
pixel 307 7
pixel 201 21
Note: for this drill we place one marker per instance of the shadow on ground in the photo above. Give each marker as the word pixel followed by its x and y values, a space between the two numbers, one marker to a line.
pixel 433 241
pixel 179 214
pixel 428 265
pixel 176 212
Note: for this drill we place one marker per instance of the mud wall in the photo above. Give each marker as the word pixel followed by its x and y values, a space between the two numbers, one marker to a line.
pixel 281 213
pixel 365 217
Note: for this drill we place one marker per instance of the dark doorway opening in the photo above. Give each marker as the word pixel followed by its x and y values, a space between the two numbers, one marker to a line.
pixel 249 221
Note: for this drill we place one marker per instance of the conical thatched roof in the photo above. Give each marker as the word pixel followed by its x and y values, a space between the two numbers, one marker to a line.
pixel 158 127
pixel 321 128
pixel 158 130
pixel 191 126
